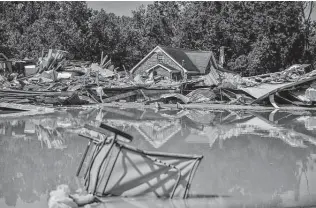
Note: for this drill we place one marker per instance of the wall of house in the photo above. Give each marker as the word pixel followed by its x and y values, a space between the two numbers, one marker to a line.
pixel 159 71
pixel 151 61
pixel 176 76
pixel 162 72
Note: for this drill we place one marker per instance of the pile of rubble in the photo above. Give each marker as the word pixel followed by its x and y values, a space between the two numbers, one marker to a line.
pixel 295 86
pixel 292 86
pixel 54 80
pixel 291 74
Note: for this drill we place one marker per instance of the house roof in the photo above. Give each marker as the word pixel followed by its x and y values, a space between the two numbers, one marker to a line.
pixel 196 61
pixel 189 61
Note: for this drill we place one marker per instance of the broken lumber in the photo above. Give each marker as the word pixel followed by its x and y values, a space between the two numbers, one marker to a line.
pixel 120 96
pixel 22 93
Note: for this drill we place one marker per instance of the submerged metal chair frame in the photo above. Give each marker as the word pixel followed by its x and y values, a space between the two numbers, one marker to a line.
pixel 151 156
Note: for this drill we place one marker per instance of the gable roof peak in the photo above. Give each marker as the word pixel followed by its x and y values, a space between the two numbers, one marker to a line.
pixel 192 61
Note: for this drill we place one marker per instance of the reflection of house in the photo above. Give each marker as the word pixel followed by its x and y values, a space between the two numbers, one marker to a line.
pixel 158 136
pixel 207 136
pixel 156 133
pixel 155 128
pixel 253 126
pixel 176 63
pixel 41 130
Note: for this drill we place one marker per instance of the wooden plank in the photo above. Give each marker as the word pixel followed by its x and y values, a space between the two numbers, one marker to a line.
pixel 35 93
pixel 149 92
pixel 272 101
pixel 120 96
pixel 20 91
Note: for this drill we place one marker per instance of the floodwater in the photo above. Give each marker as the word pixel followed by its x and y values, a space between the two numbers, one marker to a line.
pixel 250 158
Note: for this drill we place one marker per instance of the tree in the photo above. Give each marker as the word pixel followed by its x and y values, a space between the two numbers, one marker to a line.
pixel 32 26
pixel 258 37
pixel 244 28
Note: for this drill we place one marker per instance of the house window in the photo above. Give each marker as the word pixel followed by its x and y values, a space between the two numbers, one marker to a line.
pixel 160 57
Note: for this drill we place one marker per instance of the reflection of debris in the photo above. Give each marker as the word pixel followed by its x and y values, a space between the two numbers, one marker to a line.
pixel 207 127
pixel 309 121
pixel 253 124
pixel 51 138
pixel 29 127
pixel 201 117
pixel 207 136
pixel 237 156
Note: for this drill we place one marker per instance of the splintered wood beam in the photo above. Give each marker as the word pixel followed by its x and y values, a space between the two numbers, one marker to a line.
pixel 101 58
pixel 120 96
pixel 145 96
pixel 272 101
pixel 271 116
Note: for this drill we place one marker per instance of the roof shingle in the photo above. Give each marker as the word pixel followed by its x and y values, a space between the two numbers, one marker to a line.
pixel 194 61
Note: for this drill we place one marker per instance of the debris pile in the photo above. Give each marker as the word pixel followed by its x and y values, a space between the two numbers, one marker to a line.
pixel 58 81
pixel 55 80
pixel 292 86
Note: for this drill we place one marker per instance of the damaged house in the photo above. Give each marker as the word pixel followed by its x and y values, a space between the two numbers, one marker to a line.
pixel 175 63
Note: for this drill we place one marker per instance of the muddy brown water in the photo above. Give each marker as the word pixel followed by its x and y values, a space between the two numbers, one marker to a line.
pixel 264 158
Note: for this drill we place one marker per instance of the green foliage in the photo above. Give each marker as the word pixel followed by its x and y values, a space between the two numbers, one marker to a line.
pixel 33 26
pixel 259 37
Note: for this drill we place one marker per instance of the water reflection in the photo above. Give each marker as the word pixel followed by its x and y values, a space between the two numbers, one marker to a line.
pixel 207 127
pixel 268 153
